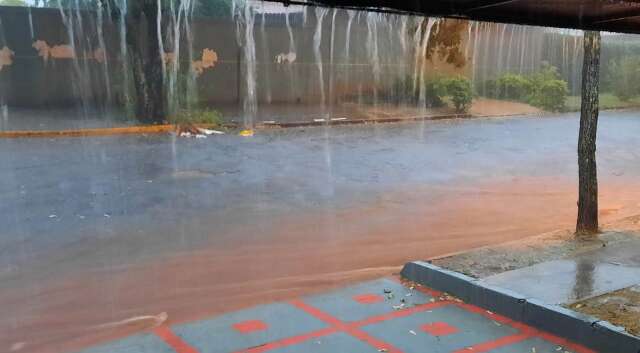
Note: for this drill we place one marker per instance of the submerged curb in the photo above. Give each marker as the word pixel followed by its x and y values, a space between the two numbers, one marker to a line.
pixel 167 128
pixel 129 130
pixel 126 130
pixel 346 121
pixel 589 331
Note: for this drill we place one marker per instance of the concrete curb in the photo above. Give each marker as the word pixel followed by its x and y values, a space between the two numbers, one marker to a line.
pixel 335 122
pixel 110 131
pixel 589 331
pixel 128 130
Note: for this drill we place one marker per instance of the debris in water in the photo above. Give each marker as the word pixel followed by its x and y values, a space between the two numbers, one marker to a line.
pixel 17 346
pixel 157 320
pixel 387 291
pixel 413 332
pixel 210 132
pixel 246 133
pixel 383 350
pixel 188 134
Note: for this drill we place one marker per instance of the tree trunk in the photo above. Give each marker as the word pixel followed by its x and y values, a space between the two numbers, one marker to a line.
pixel 587 223
pixel 146 61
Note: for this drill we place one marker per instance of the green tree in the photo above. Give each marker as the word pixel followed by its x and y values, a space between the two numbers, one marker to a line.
pixel 587 223
pixel 460 91
pixel 13 3
pixel 625 77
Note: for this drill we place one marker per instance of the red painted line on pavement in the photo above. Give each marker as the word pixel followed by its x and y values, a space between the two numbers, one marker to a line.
pixel 175 342
pixel 290 341
pixel 439 329
pixel 527 330
pixel 497 318
pixel 401 313
pixel 368 298
pixel 563 342
pixel 250 326
pixel 500 342
pixel 319 314
pixel 351 329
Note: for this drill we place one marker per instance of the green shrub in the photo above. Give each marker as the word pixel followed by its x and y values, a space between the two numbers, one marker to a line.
pixel 550 95
pixel 543 89
pixel 512 87
pixel 460 91
pixel 435 90
pixel 488 88
pixel 198 116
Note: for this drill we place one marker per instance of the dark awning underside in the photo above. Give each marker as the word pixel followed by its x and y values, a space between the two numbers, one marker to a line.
pixel 603 15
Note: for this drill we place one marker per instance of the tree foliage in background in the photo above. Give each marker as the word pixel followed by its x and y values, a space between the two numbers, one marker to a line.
pixel 512 87
pixel 625 78
pixel 544 89
pixel 13 3
pixel 459 90
pixel 446 42
pixel 548 91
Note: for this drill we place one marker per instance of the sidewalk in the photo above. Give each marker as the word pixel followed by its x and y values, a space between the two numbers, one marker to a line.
pixel 378 316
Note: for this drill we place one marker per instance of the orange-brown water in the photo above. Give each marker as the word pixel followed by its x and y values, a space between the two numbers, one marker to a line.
pixel 295 256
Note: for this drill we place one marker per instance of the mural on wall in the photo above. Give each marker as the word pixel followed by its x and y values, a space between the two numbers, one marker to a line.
pixel 6 57
pixel 63 51
pixel 207 61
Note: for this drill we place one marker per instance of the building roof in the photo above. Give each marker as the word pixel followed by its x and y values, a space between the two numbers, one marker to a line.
pixel 604 15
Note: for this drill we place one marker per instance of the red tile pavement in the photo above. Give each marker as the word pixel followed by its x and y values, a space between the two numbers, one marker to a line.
pixel 368 298
pixel 356 329
pixel 250 326
pixel 439 329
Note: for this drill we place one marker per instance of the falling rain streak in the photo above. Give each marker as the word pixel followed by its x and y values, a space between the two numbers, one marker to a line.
pixel 307 62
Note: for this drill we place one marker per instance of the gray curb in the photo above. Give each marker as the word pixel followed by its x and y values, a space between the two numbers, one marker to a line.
pixel 598 335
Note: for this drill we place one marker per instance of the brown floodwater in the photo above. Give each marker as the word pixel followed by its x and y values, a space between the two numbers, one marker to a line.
pixel 338 247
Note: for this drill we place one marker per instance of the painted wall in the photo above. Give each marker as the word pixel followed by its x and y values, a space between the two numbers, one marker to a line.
pixel 45 74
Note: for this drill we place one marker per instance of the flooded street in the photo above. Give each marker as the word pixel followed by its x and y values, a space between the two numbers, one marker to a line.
pixel 104 229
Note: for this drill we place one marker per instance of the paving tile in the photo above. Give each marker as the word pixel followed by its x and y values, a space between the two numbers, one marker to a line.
pixel 261 325
pixel 345 305
pixel 536 345
pixel 407 333
pixel 335 343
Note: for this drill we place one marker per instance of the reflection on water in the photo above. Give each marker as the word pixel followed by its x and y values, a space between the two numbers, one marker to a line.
pixel 585 271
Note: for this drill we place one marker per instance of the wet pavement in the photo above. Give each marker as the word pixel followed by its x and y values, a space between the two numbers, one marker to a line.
pixel 71 194
pixel 586 275
pixel 98 230
pixel 378 316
